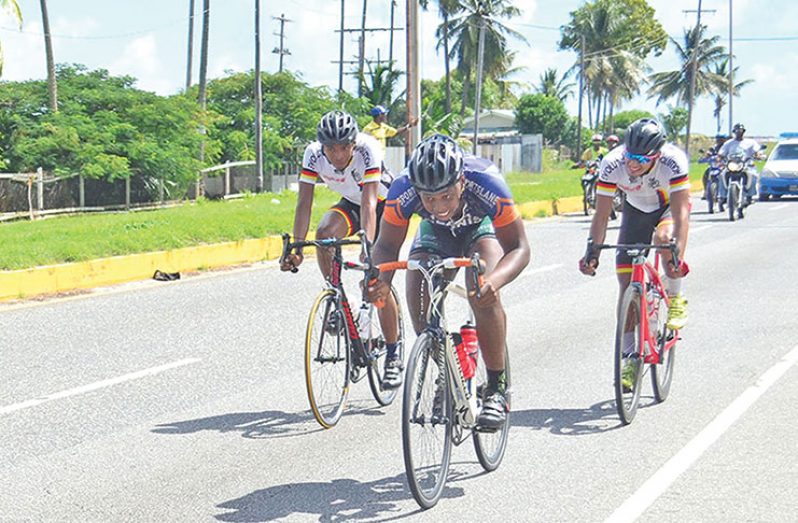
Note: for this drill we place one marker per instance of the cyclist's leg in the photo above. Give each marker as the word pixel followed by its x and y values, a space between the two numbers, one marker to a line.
pixel 677 310
pixel 338 222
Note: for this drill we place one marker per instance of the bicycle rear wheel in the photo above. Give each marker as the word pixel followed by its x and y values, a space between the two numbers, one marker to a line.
pixel 426 421
pixel 326 360
pixel 376 348
pixel 662 373
pixel 490 446
pixel 628 337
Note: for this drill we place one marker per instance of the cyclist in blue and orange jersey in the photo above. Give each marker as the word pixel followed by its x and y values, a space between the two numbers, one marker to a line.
pixel 466 208
pixel 350 163
pixel 653 174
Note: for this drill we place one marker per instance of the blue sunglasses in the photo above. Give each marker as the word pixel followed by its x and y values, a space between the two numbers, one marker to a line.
pixel 639 158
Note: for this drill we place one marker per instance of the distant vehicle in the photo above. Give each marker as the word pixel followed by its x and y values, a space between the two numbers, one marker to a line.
pixel 779 177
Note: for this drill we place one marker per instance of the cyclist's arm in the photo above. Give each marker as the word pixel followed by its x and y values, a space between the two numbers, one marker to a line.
pixel 368 210
pixel 598 227
pixel 304 204
pixel 388 245
pixel 513 240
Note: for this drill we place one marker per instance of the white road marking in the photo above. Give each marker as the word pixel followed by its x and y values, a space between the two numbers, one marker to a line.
pixel 778 207
pixel 702 228
pixel 538 270
pixel 97 385
pixel 638 502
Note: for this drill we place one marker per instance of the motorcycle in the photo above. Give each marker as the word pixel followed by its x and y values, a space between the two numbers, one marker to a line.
pixel 712 186
pixel 589 180
pixel 737 180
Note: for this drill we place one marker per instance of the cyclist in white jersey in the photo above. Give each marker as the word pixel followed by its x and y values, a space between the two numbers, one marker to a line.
pixel 653 175
pixel 350 163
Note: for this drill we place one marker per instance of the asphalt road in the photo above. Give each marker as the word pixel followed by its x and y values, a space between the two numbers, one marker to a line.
pixel 185 401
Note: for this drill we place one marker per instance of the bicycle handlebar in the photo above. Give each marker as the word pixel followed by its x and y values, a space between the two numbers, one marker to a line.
pixel 447 263
pixel 638 247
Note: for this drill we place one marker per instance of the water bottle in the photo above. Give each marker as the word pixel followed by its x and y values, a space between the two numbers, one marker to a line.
pixel 467 350
pixel 364 323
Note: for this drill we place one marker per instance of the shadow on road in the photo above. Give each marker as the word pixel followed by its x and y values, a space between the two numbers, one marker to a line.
pixel 601 417
pixel 336 500
pixel 263 424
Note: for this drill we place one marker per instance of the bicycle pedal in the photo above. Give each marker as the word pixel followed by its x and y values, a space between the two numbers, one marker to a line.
pixel 486 430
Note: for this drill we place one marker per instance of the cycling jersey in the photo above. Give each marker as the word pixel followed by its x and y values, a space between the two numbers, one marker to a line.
pixel 650 191
pixel 485 195
pixel 364 167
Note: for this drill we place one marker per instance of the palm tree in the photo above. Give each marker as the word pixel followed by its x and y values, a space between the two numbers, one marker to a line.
pixel 52 86
pixel 446 9
pixel 383 80
pixel 464 29
pixel 12 7
pixel 552 86
pixel 676 84
pixel 722 70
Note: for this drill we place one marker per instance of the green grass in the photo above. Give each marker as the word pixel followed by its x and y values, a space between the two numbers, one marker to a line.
pixel 84 237
pixel 63 239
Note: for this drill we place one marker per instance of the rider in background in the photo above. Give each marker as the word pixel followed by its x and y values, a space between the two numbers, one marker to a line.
pixel 612 142
pixel 348 162
pixel 378 127
pixel 720 139
pixel 595 152
pixel 653 174
pixel 750 147
pixel 466 207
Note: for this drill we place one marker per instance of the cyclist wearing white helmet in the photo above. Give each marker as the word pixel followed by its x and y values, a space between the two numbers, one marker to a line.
pixel 653 174
pixel 465 207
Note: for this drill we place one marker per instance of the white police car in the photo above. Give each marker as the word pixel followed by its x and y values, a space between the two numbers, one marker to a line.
pixel 779 177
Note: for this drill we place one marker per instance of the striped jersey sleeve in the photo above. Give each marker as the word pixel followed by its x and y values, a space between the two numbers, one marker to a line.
pixel 309 172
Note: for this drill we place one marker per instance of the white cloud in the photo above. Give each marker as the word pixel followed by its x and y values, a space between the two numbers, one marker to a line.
pixel 140 59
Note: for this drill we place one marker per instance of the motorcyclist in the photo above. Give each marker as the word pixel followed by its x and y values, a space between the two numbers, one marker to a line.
pixel 750 147
pixel 708 158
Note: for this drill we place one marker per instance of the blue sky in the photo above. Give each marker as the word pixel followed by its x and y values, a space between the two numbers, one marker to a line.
pixel 147 39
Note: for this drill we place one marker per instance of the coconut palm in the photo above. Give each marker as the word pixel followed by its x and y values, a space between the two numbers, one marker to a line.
pixel 380 84
pixel 446 9
pixel 677 84
pixel 12 7
pixel 556 87
pixel 722 70
pixel 464 27
pixel 52 86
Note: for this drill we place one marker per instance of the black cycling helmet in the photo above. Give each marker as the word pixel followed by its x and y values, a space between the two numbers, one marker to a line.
pixel 336 127
pixel 436 163
pixel 645 136
pixel 738 127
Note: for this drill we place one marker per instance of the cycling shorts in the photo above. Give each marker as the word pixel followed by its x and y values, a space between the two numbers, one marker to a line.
pixel 350 212
pixel 438 239
pixel 638 227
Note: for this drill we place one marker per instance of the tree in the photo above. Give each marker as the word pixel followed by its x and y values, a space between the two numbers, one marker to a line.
pixel 52 85
pixel 722 93
pixel 464 29
pixel 625 118
pixel 676 84
pixel 619 35
pixel 552 86
pixel 674 122
pixel 12 7
pixel 383 80
pixel 446 9
pixel 540 113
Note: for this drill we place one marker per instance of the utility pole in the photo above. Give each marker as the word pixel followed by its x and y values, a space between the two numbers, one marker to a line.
pixel 731 71
pixel 357 71
pixel 190 44
pixel 581 88
pixel 341 54
pixel 477 98
pixel 282 51
pixel 362 51
pixel 390 38
pixel 693 72
pixel 413 80
pixel 259 104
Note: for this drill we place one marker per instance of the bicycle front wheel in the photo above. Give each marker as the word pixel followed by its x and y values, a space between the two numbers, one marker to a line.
pixel 662 373
pixel 490 446
pixel 376 348
pixel 427 421
pixel 628 360
pixel 327 359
